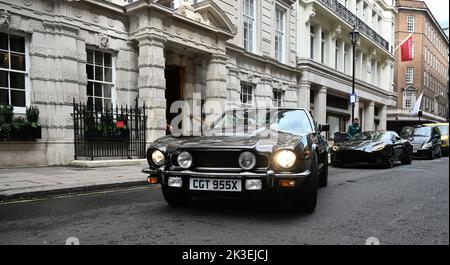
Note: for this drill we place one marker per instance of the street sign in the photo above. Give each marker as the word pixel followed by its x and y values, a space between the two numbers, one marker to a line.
pixel 352 98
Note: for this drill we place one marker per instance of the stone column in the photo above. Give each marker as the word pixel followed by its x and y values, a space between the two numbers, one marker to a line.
pixel 234 87
pixel 375 74
pixel 216 84
pixel 263 93
pixel 152 84
pixel 383 117
pixel 320 106
pixel 304 93
pixel 369 116
pixel 341 60
pixel 318 44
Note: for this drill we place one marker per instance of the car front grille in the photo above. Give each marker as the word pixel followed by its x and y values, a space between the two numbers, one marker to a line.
pixel 417 146
pixel 221 159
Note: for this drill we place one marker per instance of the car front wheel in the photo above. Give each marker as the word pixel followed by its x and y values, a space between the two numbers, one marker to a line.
pixel 175 197
pixel 323 178
pixel 305 199
pixel 389 161
pixel 407 158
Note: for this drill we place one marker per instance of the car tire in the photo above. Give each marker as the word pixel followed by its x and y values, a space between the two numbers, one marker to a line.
pixel 323 178
pixel 407 158
pixel 432 155
pixel 305 200
pixel 175 197
pixel 439 154
pixel 389 163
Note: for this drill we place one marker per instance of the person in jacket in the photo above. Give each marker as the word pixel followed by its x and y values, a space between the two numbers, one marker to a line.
pixel 354 128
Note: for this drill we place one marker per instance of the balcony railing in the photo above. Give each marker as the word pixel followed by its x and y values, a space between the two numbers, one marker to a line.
pixel 352 19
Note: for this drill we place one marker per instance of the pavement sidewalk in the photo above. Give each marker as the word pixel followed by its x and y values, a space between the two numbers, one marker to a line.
pixel 27 183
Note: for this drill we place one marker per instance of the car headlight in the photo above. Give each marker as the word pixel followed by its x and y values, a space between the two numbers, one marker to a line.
pixel 335 148
pixel 427 145
pixel 379 147
pixel 184 160
pixel 158 158
pixel 285 158
pixel 247 160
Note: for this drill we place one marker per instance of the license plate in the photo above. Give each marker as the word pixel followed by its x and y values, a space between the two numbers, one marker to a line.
pixel 232 185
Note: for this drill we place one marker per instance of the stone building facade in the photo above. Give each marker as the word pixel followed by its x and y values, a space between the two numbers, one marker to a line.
pixel 239 52
pixel 427 72
pixel 325 60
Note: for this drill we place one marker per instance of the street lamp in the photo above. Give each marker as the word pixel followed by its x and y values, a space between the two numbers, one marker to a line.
pixel 354 35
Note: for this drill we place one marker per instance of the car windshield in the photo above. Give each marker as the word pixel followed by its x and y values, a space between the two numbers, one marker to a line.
pixel 421 131
pixel 250 120
pixel 366 136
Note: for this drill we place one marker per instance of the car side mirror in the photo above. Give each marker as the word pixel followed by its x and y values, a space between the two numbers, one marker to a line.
pixel 324 128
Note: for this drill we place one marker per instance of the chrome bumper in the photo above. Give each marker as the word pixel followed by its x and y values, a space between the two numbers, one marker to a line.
pixel 268 174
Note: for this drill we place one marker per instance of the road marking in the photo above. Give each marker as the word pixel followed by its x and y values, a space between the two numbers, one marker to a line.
pixel 78 195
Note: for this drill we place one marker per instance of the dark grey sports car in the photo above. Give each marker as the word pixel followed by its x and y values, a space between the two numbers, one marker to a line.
pixel 248 152
pixel 382 148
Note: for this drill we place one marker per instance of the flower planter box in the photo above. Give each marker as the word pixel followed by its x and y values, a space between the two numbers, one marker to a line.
pixel 27 133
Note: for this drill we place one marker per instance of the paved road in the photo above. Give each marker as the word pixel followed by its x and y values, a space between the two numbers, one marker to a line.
pixel 403 205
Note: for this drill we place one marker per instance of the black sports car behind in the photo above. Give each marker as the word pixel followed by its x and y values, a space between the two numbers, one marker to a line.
pixel 282 154
pixel 382 148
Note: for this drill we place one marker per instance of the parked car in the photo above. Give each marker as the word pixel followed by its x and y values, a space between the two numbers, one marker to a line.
pixel 426 141
pixel 382 148
pixel 443 129
pixel 285 156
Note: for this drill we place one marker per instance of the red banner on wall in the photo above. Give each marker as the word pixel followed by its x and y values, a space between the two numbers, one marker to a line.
pixel 407 52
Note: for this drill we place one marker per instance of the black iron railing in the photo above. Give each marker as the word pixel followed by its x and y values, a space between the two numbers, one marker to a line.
pixel 109 132
pixel 352 19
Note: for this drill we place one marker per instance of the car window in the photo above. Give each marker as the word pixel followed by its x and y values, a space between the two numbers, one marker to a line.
pixel 292 121
pixel 364 136
pixel 422 131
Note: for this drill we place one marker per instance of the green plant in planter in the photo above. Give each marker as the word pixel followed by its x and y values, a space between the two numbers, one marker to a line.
pixel 5 130
pixel 19 123
pixel 33 116
pixel 6 114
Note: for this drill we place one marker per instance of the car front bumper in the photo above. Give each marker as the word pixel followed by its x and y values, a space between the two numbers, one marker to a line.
pixel 270 180
pixel 358 157
pixel 423 152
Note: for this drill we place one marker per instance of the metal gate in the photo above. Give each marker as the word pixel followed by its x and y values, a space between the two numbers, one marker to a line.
pixel 109 132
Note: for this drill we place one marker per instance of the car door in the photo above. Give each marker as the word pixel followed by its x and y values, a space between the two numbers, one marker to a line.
pixel 397 144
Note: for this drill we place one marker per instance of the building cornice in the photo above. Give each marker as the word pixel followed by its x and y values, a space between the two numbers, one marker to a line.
pixel 331 73
pixel 262 59
pixel 427 11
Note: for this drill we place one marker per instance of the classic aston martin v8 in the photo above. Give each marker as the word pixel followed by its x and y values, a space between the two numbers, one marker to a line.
pixel 283 153
pixel 382 148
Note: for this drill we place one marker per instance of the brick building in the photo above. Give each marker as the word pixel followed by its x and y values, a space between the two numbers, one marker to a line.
pixel 427 72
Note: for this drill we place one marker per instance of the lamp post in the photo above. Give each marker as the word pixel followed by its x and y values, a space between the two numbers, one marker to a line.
pixel 354 35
